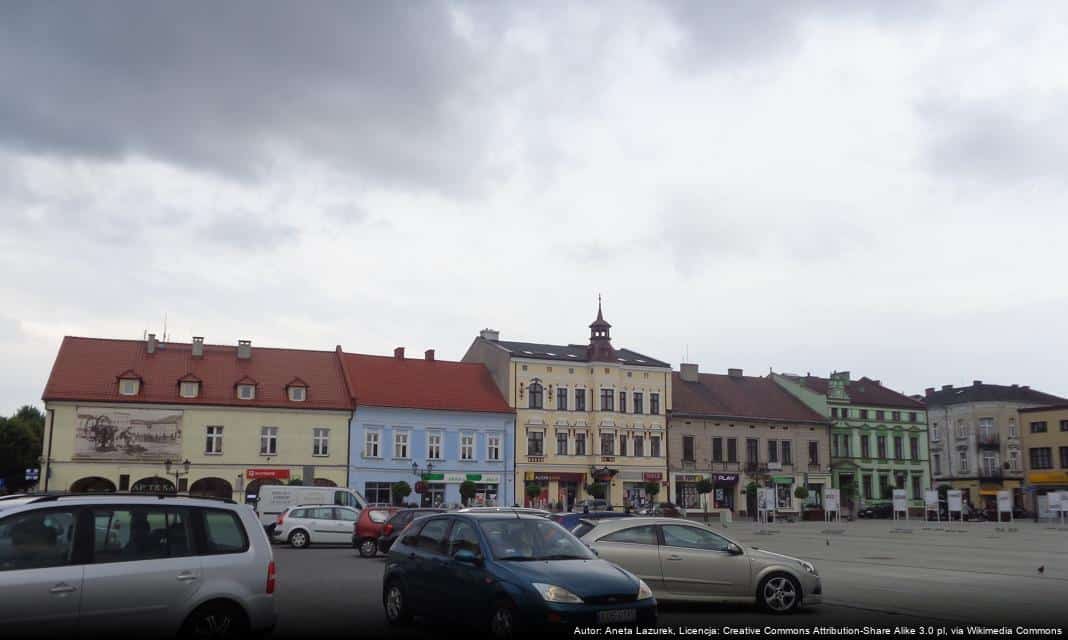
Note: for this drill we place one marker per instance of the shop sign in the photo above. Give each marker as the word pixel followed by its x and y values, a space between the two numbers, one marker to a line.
pixel 433 477
pixel 831 498
pixel 1048 477
pixel 1004 502
pixel 262 474
pixel 653 476
pixel 954 499
pixel 782 479
pixel 543 476
pixel 420 487
pixel 688 477
pixel 930 499
pixel 900 500
pixel 726 478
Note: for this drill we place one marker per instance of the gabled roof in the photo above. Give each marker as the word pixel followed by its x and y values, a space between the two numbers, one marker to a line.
pixel 571 353
pixel 743 397
pixel 129 374
pixel 410 383
pixel 981 392
pixel 246 380
pixel 864 392
pixel 190 377
pixel 84 371
pixel 296 382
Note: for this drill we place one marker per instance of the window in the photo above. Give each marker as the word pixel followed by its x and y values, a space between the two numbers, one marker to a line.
pixel 561 398
pixel 622 401
pixel 493 447
pixel 899 448
pixel 622 444
pixel 963 462
pixel 717 449
pixel 535 395
pixel 1038 427
pixel 138 533
pixel 773 451
pixel 986 427
pixel 607 400
pixel 962 429
pixel 914 448
pixel 580 444
pixel 692 538
pixel 268 441
pixel 1014 459
pixel 213 440
pixel 917 491
pixel 463 537
pixel 654 403
pixel 36 540
pixel 1041 458
pixel 847 445
pixel 834 412
pixel 936 463
pixel 320 441
pixel 787 454
pixel 935 435
pixel 752 453
pixel 580 399
pixel 654 446
pixel 129 387
pixel 400 444
pixel 880 443
pixel 895 416
pixel 639 446
pixel 863 414
pixel 433 445
pixel 432 536
pixel 912 416
pixel 843 412
pixel 377 492
pixel 866 485
pixel 638 404
pixel 246 391
pixel 1064 457
pixel 865 446
pixel 608 444
pixel 467 446
pixel 880 415
pixel 1064 426
pixel 813 453
pixel 561 443
pixel 189 389
pixel 223 532
pixel 634 535
pixel 297 394
pixel 884 486
pixel 371 439
pixel 1014 434
pixel 346 515
pixel 535 443
pixel 732 450
pixel 687 449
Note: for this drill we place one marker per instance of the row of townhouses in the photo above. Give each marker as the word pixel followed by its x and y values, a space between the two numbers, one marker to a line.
pixel 528 423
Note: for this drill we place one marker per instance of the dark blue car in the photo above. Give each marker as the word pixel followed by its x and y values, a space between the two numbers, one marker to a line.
pixel 506 573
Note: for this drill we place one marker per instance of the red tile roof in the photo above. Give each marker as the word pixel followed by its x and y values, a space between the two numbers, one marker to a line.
pixel 85 370
pixel 748 397
pixel 412 383
pixel 864 391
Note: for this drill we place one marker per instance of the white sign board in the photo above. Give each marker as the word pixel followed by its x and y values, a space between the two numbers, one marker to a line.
pixel 831 500
pixel 1054 498
pixel 901 502
pixel 954 499
pixel 930 499
pixel 1004 502
pixel 766 496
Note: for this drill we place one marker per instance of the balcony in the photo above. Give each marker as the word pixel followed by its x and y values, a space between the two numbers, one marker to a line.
pixel 719 465
pixel 608 458
pixel 994 475
pixel 756 467
pixel 814 466
pixel 989 441
pixel 537 459
pixel 689 465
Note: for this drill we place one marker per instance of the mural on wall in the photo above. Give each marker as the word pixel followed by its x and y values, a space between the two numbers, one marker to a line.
pixel 105 433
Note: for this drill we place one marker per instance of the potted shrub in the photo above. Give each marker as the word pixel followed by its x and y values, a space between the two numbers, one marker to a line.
pixel 468 490
pixel 400 490
pixel 533 491
pixel 705 487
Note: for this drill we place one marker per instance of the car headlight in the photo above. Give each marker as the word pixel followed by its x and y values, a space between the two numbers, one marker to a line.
pixel 553 593
pixel 809 567
pixel 644 592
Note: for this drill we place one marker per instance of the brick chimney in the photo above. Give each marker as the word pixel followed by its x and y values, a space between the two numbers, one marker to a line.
pixel 688 372
pixel 734 373
pixel 398 353
pixel 151 343
pixel 490 334
pixel 198 346
pixel 429 355
pixel 244 349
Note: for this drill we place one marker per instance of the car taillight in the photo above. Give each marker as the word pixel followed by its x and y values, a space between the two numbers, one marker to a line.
pixel 270 577
pixel 280 519
pixel 388 529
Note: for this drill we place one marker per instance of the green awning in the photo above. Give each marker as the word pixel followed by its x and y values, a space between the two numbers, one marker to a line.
pixel 782 479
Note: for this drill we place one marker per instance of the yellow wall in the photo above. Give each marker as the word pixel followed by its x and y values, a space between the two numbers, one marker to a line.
pixel 241 445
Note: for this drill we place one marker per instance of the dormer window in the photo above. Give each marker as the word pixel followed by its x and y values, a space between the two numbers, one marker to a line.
pixel 129 387
pixel 297 394
pixel 189 389
pixel 246 391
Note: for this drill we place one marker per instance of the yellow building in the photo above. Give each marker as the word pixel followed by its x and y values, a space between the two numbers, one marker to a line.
pixel 118 410
pixel 1044 439
pixel 585 415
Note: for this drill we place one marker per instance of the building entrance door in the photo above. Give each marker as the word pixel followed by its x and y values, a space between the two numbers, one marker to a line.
pixel 567 494
pixel 434 496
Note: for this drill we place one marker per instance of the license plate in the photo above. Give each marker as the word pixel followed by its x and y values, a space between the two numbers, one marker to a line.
pixel 614 616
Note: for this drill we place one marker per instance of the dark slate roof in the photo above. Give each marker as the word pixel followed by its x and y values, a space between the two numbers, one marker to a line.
pixel 573 353
pixel 748 397
pixel 980 392
pixel 865 391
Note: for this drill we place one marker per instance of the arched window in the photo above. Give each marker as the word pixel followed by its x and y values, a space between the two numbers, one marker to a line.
pixel 535 394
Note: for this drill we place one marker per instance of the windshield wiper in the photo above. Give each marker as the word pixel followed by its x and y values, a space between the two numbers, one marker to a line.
pixel 563 556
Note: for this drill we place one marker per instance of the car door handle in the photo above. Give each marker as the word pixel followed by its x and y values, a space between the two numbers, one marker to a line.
pixel 186 577
pixel 674 557
pixel 62 587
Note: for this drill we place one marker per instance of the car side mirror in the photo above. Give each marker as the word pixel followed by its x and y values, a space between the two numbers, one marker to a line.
pixel 467 556
pixel 734 549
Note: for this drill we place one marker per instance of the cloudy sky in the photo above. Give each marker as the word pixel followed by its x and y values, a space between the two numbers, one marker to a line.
pixel 809 186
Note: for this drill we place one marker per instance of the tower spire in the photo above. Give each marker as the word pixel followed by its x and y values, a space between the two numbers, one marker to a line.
pixel 600 338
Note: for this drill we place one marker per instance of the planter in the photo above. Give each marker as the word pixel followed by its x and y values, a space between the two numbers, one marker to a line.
pixel 812 514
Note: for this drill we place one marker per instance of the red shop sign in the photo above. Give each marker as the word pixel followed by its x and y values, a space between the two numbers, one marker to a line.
pixel 259 474
pixel 653 476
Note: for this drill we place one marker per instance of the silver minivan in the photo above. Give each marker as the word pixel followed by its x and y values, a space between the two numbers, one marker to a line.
pixel 110 564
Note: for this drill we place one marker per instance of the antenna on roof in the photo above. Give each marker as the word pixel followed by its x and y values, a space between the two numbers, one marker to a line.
pixel 164 326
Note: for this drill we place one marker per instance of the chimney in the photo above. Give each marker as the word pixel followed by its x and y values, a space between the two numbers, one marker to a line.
pixel 198 346
pixel 734 373
pixel 398 353
pixel 151 343
pixel 928 391
pixel 976 383
pixel 688 372
pixel 244 349
pixel 947 387
pixel 490 334
pixel 429 354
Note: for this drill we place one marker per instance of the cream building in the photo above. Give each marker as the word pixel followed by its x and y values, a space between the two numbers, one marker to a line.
pixel 585 415
pixel 118 410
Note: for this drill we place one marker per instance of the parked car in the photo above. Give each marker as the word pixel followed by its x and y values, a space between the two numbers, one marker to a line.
pixel 273 499
pixel 687 561
pixel 884 510
pixel 100 565
pixel 580 523
pixel 507 572
pixel 368 528
pixel 527 510
pixel 319 524
pixel 591 504
pixel 397 523
pixel 664 510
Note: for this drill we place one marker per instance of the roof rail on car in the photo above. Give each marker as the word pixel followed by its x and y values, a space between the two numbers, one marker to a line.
pixel 51 497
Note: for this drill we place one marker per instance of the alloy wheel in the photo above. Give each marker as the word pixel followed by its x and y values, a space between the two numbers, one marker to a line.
pixel 368 548
pixel 780 594
pixel 394 603
pixel 501 623
pixel 298 539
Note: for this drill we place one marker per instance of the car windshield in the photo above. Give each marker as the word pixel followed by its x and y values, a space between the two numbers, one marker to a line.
pixel 529 539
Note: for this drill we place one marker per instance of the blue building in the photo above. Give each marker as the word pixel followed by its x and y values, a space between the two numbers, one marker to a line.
pixel 432 424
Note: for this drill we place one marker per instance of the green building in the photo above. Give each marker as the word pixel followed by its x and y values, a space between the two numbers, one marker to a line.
pixel 878 437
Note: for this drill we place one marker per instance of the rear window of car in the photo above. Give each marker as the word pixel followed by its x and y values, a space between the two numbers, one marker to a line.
pixel 582 529
pixel 224 532
pixel 378 516
pixel 298 513
pixel 128 533
pixel 634 535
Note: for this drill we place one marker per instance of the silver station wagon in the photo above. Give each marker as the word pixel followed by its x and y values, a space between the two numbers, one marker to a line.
pixel 683 560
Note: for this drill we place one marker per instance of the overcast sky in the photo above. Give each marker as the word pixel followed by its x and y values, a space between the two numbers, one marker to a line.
pixel 871 186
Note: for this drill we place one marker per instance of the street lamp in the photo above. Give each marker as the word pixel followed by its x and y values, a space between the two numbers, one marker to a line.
pixel 415 468
pixel 177 470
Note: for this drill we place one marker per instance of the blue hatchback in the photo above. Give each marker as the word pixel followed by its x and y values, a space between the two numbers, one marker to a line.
pixel 508 573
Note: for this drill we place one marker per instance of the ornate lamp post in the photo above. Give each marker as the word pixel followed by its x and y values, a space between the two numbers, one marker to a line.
pixel 178 470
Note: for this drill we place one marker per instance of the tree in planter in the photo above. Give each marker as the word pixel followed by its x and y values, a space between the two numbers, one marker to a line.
pixel 597 490
pixel 705 487
pixel 468 490
pixel 532 491
pixel 801 493
pixel 751 498
pixel 400 490
pixel 295 482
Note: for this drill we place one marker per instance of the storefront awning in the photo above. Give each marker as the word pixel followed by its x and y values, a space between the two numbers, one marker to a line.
pixel 783 479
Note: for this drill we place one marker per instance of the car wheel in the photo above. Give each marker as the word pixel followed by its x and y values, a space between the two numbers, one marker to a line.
pixel 502 622
pixel 396 604
pixel 368 548
pixel 299 539
pixel 216 621
pixel 779 593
